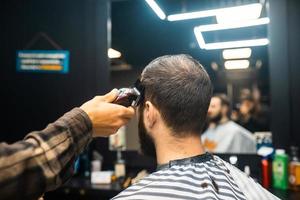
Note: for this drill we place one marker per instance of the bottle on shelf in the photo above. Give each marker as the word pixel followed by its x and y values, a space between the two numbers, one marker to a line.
pixel 294 170
pixel 280 170
pixel 266 173
pixel 120 169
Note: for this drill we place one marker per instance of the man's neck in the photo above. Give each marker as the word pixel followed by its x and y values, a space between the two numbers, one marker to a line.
pixel 222 121
pixel 245 118
pixel 171 148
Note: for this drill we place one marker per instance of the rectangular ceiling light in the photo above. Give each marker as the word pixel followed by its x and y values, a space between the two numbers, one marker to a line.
pixel 239 13
pixel 236 44
pixel 236 53
pixel 112 53
pixel 216 27
pixel 155 7
pixel 232 44
pixel 237 64
pixel 245 12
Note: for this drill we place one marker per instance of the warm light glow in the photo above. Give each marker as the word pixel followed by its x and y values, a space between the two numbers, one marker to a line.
pixel 113 53
pixel 156 9
pixel 236 53
pixel 245 12
pixel 237 64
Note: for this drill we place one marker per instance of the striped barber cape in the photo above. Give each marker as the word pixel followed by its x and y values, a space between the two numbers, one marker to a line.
pixel 201 177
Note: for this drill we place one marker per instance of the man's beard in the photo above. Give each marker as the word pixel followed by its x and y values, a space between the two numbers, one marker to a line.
pixel 146 141
pixel 216 119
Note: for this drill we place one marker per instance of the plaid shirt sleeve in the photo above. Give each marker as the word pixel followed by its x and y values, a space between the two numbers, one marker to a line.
pixel 44 159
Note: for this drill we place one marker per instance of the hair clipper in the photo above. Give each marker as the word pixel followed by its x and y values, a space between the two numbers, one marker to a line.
pixel 130 96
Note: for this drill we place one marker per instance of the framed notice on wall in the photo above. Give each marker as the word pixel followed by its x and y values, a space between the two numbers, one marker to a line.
pixel 45 61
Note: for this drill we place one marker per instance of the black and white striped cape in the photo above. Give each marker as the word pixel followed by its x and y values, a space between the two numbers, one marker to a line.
pixel 202 177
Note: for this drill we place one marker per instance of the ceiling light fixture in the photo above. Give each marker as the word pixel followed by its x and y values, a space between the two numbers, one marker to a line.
pixel 236 53
pixel 232 44
pixel 233 25
pixel 236 44
pixel 239 13
pixel 112 53
pixel 245 12
pixel 155 7
pixel 236 64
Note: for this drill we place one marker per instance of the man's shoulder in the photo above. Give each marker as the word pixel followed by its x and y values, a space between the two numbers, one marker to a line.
pixel 137 189
pixel 237 129
pixel 179 182
pixel 229 125
pixel 182 182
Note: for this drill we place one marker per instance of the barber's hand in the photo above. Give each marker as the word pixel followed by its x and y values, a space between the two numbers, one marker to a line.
pixel 107 117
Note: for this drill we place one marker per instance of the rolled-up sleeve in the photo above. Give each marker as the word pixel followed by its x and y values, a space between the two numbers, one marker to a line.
pixel 44 159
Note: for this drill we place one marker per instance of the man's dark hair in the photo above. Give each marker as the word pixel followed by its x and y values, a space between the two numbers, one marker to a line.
pixel 181 90
pixel 249 98
pixel 224 102
pixel 224 99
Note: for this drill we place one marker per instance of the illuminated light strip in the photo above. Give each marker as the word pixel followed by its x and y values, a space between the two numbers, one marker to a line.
pixel 216 27
pixel 236 53
pixel 231 44
pixel 237 64
pixel 192 15
pixel 155 7
pixel 249 12
pixel 255 9
pixel 235 44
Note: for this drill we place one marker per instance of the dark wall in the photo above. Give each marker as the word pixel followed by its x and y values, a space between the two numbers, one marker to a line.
pixel 29 101
pixel 294 50
pixel 285 71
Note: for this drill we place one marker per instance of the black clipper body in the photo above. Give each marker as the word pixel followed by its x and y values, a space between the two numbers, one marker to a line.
pixel 130 96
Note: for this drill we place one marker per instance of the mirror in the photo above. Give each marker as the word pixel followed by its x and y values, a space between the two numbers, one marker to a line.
pixel 238 69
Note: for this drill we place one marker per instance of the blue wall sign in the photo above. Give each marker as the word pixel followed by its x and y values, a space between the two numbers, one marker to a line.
pixel 52 61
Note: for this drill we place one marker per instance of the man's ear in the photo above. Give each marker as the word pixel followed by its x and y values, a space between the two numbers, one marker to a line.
pixel 150 114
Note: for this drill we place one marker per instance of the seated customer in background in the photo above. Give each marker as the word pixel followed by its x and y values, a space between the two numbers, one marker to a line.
pixel 171 117
pixel 222 134
pixel 252 113
pixel 248 115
